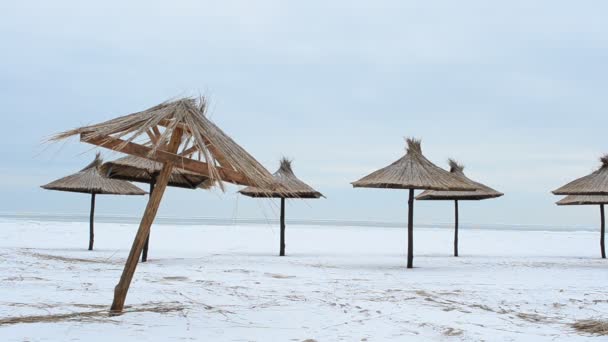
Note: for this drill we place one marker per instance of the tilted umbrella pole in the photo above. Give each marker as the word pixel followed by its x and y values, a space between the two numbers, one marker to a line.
pixel 121 289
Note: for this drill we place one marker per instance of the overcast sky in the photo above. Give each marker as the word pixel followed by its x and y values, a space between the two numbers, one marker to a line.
pixel 515 90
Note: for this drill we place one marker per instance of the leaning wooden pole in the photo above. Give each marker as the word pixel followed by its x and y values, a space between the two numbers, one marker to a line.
pixel 603 231
pixel 144 253
pixel 91 222
pixel 456 228
pixel 121 289
pixel 282 247
pixel 410 230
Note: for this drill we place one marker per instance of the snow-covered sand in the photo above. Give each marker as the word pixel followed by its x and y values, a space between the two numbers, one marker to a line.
pixel 336 284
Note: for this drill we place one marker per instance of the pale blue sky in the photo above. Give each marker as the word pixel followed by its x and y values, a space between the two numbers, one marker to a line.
pixel 515 90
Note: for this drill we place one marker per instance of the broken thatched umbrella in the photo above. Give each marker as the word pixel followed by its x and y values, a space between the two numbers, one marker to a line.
pixel 189 132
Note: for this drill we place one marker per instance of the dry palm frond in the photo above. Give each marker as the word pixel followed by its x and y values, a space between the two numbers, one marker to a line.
pixel 209 142
pixel 136 169
pixel 481 191
pixel 290 186
pixel 594 184
pixel 90 180
pixel 412 171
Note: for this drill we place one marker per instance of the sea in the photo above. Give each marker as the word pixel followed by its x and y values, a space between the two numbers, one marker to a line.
pixel 217 221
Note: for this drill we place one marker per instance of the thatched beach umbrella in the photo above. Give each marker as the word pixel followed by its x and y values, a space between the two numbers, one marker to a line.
pixel 594 184
pixel 414 172
pixel 141 170
pixel 291 187
pixel 90 181
pixel 194 144
pixel 590 200
pixel 481 192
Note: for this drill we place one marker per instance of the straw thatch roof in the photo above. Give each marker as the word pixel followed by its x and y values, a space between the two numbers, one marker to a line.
pixel 136 169
pixel 593 184
pixel 481 191
pixel 204 147
pixel 90 180
pixel 413 171
pixel 290 185
pixel 583 200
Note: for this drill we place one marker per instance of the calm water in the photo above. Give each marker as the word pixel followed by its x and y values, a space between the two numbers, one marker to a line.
pixel 212 221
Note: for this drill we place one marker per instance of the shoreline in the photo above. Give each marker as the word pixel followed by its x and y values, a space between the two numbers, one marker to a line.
pixel 214 221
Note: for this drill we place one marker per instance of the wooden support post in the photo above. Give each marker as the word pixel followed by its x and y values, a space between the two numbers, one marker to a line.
pixel 603 231
pixel 282 248
pixel 121 289
pixel 144 253
pixel 131 148
pixel 91 222
pixel 456 228
pixel 410 230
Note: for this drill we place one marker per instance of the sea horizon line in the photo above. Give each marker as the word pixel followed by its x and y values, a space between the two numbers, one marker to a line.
pixel 227 221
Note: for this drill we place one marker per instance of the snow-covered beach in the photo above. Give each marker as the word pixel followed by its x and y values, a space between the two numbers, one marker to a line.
pixel 226 283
